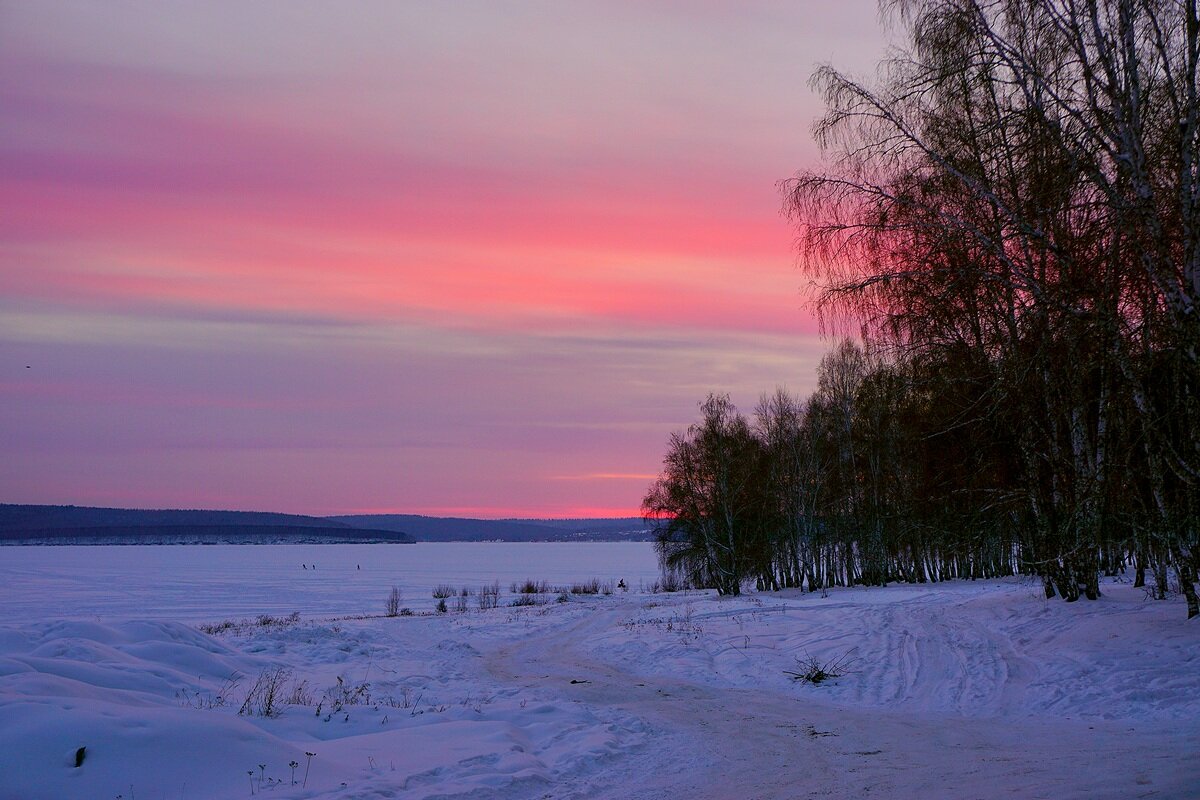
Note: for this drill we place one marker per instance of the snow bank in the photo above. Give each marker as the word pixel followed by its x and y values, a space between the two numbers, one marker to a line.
pixel 399 704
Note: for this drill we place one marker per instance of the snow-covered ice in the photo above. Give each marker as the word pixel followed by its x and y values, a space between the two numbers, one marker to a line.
pixel 207 582
pixel 967 689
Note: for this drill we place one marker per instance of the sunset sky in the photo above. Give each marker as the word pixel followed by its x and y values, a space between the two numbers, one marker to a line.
pixel 460 258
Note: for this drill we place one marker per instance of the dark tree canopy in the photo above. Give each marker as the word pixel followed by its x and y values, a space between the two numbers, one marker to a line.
pixel 1010 219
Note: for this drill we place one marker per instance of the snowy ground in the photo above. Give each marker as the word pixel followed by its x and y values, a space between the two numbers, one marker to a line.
pixel 963 690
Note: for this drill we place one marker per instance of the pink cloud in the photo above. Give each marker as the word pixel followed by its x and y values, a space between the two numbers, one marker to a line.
pixel 569 212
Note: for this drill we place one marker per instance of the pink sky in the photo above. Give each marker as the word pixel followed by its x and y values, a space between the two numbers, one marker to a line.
pixel 448 258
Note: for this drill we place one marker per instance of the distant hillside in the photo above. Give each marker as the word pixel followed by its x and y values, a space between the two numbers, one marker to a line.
pixel 23 516
pixel 82 524
pixel 29 524
pixel 458 529
pixel 202 534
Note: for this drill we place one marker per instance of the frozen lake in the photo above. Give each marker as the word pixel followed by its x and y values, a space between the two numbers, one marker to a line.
pixel 212 583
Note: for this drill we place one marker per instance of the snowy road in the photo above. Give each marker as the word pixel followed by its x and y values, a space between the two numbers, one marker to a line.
pixel 711 741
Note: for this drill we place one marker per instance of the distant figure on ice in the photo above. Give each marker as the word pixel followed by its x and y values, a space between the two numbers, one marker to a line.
pixel 621 585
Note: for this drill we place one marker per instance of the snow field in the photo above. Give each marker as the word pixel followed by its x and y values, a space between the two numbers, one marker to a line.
pixel 977 649
pixel 156 706
pixel 963 689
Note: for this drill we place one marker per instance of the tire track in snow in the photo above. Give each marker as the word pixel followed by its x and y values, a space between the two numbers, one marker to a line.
pixel 704 742
pixel 709 741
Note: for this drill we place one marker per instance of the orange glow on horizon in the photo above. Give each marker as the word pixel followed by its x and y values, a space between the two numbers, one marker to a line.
pixel 491 512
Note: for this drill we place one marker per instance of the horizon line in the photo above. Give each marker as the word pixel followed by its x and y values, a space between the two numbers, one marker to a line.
pixel 487 513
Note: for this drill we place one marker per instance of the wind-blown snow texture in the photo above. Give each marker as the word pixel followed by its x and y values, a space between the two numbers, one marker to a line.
pixel 955 690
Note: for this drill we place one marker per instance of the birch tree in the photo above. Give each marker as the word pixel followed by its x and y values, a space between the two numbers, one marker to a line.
pixel 1024 185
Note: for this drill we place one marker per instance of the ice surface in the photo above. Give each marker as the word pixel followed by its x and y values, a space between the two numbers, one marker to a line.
pixel 220 581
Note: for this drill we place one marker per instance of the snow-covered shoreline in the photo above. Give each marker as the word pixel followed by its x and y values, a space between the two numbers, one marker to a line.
pixel 966 689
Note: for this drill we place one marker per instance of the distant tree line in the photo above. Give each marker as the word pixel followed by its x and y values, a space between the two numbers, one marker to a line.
pixel 1012 223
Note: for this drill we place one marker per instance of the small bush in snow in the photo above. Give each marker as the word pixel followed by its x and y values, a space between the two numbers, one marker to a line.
pixel 248 625
pixel 812 670
pixel 667 583
pixel 489 596
pixel 266 696
pixel 405 700
pixel 218 699
pixel 344 694
pixel 299 695
pixel 392 606
pixel 337 698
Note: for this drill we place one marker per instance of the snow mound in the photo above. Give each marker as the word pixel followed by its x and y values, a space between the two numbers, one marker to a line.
pixel 115 698
pixel 151 709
